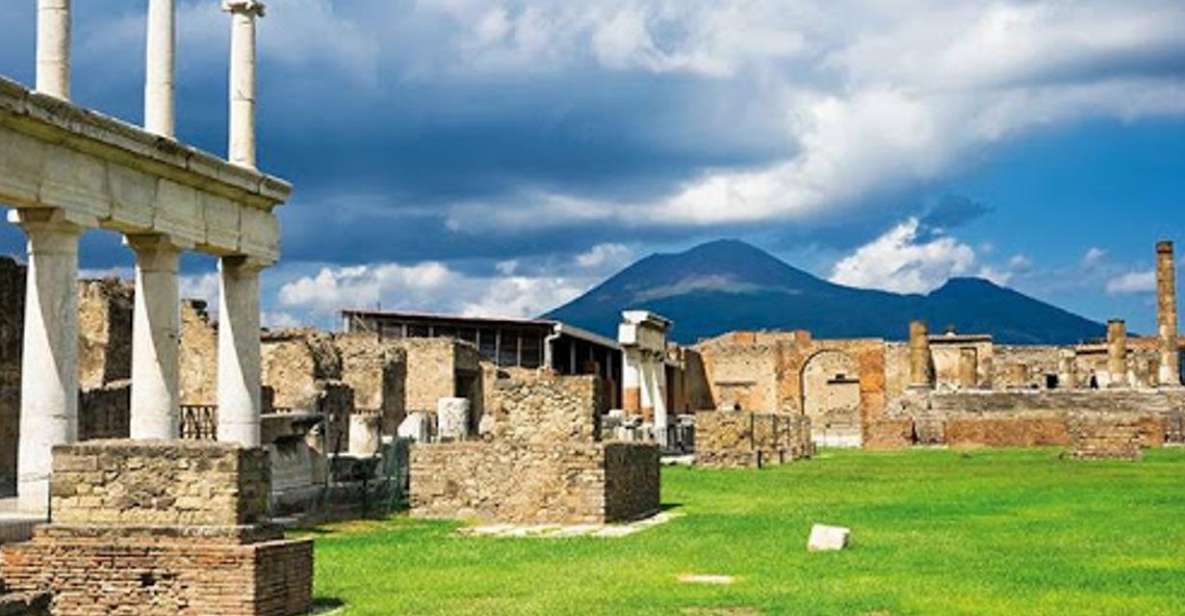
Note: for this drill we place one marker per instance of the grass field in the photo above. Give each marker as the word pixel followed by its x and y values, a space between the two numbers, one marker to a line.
pixel 934 532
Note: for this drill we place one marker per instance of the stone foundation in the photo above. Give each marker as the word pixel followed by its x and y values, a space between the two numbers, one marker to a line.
pixel 743 439
pixel 1095 437
pixel 162 528
pixel 544 463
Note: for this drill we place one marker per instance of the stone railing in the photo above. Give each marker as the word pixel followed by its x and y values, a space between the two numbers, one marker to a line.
pixel 199 422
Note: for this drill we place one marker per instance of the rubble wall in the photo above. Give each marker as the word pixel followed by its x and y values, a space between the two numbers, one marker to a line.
pixel 725 439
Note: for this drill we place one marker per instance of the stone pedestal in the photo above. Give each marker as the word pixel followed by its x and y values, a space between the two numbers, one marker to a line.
pixel 365 436
pixel 452 419
pixel 162 528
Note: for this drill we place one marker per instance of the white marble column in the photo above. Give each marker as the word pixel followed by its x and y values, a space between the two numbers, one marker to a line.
pixel 659 397
pixel 160 69
pixel 53 48
pixel 242 79
pixel 49 359
pixel 239 381
pixel 631 382
pixel 156 339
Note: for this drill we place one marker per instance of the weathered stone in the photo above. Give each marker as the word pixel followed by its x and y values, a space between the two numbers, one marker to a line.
pixel 828 538
pixel 417 427
pixel 452 417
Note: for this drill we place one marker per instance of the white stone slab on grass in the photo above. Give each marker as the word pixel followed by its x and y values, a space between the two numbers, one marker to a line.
pixel 828 538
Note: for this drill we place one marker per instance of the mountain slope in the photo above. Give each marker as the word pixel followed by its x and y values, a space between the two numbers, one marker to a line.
pixel 729 285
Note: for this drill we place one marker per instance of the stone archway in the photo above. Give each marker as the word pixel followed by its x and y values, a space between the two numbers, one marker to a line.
pixel 831 398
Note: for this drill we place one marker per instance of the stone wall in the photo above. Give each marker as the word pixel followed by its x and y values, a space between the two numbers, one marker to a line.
pixel 104 332
pixel 296 365
pixel 543 463
pixel 199 355
pixel 161 528
pixel 1106 436
pixel 199 483
pixel 377 372
pixel 443 368
pixel 12 319
pixel 744 439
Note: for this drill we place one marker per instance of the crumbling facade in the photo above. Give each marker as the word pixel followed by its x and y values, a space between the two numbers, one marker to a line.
pixel 544 462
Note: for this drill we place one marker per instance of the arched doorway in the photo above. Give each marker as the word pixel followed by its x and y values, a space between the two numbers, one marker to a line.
pixel 831 398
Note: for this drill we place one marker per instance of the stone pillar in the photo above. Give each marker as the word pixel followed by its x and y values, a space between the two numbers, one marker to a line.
pixel 1018 374
pixel 242 79
pixel 968 368
pixel 156 339
pixel 1067 376
pixel 49 359
pixel 658 397
pixel 1117 352
pixel 919 355
pixel 159 75
pixel 631 383
pixel 53 48
pixel 239 382
pixel 1166 315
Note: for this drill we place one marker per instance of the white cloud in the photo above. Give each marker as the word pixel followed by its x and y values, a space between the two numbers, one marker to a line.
pixel 613 256
pixel 897 261
pixel 200 286
pixel 1093 258
pixel 997 276
pixel 1132 283
pixel 1020 264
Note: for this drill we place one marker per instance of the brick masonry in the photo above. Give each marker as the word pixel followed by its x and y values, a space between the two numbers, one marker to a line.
pixel 156 528
pixel 744 439
pixel 1112 436
pixel 544 463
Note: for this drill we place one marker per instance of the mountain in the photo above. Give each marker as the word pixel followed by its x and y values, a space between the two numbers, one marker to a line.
pixel 729 285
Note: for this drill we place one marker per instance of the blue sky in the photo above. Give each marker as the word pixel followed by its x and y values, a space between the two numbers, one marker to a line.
pixel 502 156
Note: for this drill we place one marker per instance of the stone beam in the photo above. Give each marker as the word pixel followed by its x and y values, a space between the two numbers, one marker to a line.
pixel 57 155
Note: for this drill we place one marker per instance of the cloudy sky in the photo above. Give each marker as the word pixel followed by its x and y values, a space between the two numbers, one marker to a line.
pixel 502 156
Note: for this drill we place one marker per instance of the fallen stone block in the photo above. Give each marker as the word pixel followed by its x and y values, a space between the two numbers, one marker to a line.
pixel 452 416
pixel 828 538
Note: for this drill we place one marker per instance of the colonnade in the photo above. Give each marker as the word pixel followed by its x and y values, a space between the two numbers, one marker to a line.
pixel 49 385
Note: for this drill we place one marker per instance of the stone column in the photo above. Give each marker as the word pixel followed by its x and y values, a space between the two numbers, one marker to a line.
pixel 919 355
pixel 53 48
pixel 156 339
pixel 1166 315
pixel 631 382
pixel 1018 374
pixel 242 79
pixel 159 76
pixel 239 381
pixel 658 397
pixel 968 368
pixel 49 358
pixel 1117 352
pixel 1067 372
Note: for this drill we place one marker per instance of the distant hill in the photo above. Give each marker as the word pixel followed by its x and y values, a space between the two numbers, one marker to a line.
pixel 729 285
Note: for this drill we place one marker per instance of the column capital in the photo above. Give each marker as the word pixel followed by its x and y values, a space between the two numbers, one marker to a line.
pixel 244 264
pixel 52 219
pixel 253 8
pixel 156 252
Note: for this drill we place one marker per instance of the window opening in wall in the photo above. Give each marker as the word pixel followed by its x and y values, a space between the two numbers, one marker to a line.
pixel 1051 381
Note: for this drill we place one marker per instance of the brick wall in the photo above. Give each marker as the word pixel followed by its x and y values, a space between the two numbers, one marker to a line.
pixel 742 438
pixel 544 463
pixel 156 528
pixel 377 371
pixel 1109 436
pixel 159 483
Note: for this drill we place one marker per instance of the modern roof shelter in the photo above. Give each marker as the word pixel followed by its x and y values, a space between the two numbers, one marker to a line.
pixel 65 169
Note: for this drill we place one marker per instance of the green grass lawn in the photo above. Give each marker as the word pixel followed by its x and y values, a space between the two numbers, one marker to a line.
pixel 934 532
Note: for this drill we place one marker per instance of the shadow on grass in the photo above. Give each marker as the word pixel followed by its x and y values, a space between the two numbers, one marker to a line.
pixel 326 605
pixel 665 507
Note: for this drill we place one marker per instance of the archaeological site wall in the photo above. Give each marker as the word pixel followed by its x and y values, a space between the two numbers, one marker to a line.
pixel 545 462
pixel 729 439
pixel 162 528
pixel 104 332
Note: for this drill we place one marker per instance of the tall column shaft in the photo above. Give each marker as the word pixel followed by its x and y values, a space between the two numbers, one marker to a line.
pixel 1117 352
pixel 631 382
pixel 53 48
pixel 658 396
pixel 968 368
pixel 156 339
pixel 49 359
pixel 919 355
pixel 1166 315
pixel 242 79
pixel 160 70
pixel 239 382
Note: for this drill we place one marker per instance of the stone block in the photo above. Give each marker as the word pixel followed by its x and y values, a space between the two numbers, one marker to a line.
pixel 365 434
pixel 452 416
pixel 417 427
pixel 828 538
